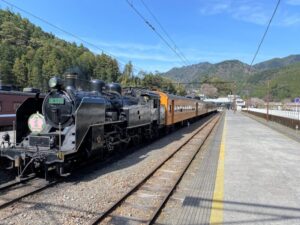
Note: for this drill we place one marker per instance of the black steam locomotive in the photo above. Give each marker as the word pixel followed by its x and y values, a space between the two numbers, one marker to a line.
pixel 71 124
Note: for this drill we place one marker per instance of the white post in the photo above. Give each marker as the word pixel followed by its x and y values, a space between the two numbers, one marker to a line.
pixel 297 105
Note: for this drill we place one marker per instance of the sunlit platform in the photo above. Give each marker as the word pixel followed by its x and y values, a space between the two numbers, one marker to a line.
pixel 249 174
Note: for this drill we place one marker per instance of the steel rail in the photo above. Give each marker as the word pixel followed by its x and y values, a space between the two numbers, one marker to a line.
pixel 16 182
pixel 37 190
pixel 106 213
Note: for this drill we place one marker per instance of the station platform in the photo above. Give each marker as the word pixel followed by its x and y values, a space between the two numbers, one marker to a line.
pixel 247 173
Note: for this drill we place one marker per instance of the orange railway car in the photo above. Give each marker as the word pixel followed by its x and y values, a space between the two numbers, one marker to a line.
pixel 179 109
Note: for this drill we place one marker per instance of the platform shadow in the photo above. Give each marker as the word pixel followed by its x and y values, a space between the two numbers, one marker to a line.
pixel 259 213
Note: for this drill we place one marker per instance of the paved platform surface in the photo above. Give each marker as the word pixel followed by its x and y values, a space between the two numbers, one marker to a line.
pixel 192 200
pixel 249 174
pixel 261 174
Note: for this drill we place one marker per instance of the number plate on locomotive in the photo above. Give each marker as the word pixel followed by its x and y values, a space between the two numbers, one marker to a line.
pixel 56 101
pixel 40 141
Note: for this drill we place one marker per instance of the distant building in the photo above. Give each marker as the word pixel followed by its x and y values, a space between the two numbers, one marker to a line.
pixel 228 101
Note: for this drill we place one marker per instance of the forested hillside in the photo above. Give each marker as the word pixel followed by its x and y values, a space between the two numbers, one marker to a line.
pixel 283 83
pixel 29 56
pixel 277 63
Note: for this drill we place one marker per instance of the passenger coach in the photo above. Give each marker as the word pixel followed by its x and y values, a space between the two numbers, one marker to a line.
pixel 179 109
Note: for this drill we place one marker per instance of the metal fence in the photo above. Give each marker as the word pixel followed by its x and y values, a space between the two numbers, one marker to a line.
pixel 289 122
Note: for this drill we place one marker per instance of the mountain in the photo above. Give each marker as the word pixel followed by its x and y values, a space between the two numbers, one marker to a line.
pixel 187 73
pixel 283 74
pixel 277 63
pixel 228 70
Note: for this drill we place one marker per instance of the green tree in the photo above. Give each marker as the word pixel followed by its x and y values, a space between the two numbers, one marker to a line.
pixel 86 62
pixel 10 33
pixel 127 76
pixel 20 72
pixel 106 68
pixel 7 55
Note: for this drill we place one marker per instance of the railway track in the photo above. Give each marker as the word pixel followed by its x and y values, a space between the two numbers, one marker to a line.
pixel 143 202
pixel 16 182
pixel 15 191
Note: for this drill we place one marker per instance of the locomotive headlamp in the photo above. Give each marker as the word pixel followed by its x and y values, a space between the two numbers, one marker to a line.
pixel 55 82
pixel 36 123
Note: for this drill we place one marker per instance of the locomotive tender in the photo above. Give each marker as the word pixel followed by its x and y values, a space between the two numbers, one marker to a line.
pixel 70 124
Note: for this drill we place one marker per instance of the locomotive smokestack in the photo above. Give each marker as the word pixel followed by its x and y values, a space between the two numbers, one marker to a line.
pixel 71 81
pixel 97 85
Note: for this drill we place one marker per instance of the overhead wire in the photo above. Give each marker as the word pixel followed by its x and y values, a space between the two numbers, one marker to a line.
pixel 264 35
pixel 165 31
pixel 156 32
pixel 66 32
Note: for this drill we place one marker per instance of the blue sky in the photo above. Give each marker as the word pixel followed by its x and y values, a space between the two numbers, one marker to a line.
pixel 204 30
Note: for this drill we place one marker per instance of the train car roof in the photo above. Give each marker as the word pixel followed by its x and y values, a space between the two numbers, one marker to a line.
pixel 176 96
pixel 20 93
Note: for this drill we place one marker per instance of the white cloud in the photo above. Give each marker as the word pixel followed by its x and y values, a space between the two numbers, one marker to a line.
pixel 148 57
pixel 293 2
pixel 216 8
pixel 158 57
pixel 257 12
pixel 145 56
pixel 290 20
pixel 126 46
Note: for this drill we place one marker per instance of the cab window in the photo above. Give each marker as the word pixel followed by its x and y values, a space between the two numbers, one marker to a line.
pixel 155 103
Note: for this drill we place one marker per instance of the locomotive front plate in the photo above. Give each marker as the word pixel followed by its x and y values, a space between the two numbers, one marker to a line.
pixel 40 141
pixel 56 101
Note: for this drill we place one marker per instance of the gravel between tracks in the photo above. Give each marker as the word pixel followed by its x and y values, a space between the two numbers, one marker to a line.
pixel 78 202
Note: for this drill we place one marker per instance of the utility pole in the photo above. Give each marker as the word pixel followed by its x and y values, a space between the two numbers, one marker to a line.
pixel 234 97
pixel 268 99
pixel 247 100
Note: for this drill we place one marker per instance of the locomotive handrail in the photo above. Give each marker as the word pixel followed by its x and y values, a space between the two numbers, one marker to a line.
pixel 7 115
